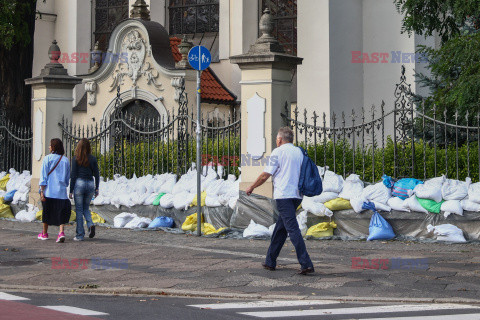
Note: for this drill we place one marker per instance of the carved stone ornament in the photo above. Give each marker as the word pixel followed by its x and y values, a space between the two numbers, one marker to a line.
pixel 135 47
pixel 177 83
pixel 91 89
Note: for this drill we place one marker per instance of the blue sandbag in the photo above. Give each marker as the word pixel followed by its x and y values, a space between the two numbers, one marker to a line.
pixel 402 186
pixel 161 222
pixel 379 228
pixel 9 196
pixel 388 181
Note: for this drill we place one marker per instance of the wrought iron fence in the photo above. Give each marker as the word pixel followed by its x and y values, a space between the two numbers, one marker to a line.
pixel 391 142
pixel 15 143
pixel 130 146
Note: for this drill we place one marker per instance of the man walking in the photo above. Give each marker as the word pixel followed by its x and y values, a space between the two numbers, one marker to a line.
pixel 284 167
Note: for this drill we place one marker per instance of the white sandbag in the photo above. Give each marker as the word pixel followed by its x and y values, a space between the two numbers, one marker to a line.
pixel 138 222
pixel 357 203
pixel 166 201
pixel 271 228
pixel 352 187
pixel 431 189
pixel 332 182
pixel 455 189
pixel 212 201
pixel 302 222
pixel 120 220
pixel 321 170
pixel 377 192
pixel 182 201
pixel 413 205
pixel 255 230
pixel 231 177
pixel 474 192
pixel 447 232
pixel 468 205
pixel 316 208
pixel 232 202
pixel 99 201
pixel 396 204
pixel 168 185
pixel 215 188
pixel 149 200
pixel 325 197
pixel 452 206
pixel 381 206
pixel 223 199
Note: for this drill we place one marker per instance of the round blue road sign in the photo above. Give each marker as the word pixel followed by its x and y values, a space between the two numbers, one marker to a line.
pixel 199 58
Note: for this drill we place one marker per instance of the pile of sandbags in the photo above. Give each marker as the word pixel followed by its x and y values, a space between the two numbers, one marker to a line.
pixel 28 215
pixel 17 185
pixel 130 221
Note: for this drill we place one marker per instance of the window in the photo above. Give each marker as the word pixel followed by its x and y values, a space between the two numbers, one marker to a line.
pixel 193 16
pixel 284 14
pixel 108 14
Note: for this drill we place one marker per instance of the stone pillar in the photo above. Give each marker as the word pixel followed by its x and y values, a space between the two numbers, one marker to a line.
pixel 266 79
pixel 52 99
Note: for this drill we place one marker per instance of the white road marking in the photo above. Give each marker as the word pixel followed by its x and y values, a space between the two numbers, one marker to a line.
pixel 359 310
pixel 11 297
pixel 264 304
pixel 470 316
pixel 75 310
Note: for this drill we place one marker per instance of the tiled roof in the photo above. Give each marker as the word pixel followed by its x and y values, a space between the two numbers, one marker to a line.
pixel 213 90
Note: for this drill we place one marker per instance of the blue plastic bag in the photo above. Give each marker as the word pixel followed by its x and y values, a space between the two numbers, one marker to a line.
pixel 161 222
pixel 388 181
pixel 379 228
pixel 402 186
pixel 9 196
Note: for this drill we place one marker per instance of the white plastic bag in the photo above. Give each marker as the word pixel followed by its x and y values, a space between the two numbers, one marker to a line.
pixel 377 192
pixel 447 232
pixel 455 189
pixel 122 219
pixel 302 222
pixel 332 182
pixel 138 222
pixel 166 201
pixel 468 205
pixel 325 197
pixel 413 205
pixel 452 206
pixel 255 230
pixel 397 204
pixel 352 187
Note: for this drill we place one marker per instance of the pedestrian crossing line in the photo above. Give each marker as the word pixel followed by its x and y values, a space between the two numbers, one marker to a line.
pixel 75 310
pixel 11 297
pixel 264 304
pixel 359 310
pixel 469 316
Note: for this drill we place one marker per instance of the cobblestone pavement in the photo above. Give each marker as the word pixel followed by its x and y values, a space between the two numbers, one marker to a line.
pixel 165 263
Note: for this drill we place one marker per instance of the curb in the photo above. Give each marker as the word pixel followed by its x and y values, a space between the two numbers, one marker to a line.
pixel 133 291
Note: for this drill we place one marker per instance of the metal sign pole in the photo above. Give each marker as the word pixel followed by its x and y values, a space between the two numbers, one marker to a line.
pixel 199 165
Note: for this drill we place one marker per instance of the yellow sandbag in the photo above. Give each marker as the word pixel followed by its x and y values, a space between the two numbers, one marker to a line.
pixel 324 229
pixel 203 195
pixel 338 204
pixel 190 223
pixel 1 200
pixel 73 215
pixel 299 207
pixel 3 182
pixel 6 211
pixel 96 218
pixel 207 229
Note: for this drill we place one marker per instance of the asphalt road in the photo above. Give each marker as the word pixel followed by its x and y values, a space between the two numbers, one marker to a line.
pixel 15 306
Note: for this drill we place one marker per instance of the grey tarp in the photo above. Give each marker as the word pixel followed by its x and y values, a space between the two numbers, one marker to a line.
pixel 260 209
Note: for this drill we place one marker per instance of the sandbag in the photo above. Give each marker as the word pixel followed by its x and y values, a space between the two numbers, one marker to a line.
pixel 377 192
pixel 338 204
pixel 6 212
pixel 413 205
pixel 9 196
pixel 166 201
pixel 474 192
pixel 321 230
pixel 332 182
pixel 316 208
pixel 212 201
pixel 255 230
pixel 452 206
pixel 403 187
pixel 381 206
pixel 430 205
pixel 4 181
pixel 167 187
pixel 156 201
pixel 203 195
pixel 96 218
pixel 447 232
pixel 430 189
pixel 468 205
pixel 138 222
pixel 271 229
pixel 208 229
pixel 190 223
pixel 183 200
pixel 379 228
pixel 352 187
pixel 325 197
pixel 28 215
pixel 455 189
pixel 357 203
pixel 396 203
pixel 120 220
pixel 162 222
pixel 232 202
pixel 302 222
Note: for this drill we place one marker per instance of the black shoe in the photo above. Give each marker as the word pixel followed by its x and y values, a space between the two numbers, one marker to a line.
pixel 265 266
pixel 306 271
pixel 92 232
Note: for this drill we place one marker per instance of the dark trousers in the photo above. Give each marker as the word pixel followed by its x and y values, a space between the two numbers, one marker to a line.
pixel 287 225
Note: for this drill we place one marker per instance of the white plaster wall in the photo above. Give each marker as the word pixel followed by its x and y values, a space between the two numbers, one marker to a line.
pixel 43 37
pixel 313 45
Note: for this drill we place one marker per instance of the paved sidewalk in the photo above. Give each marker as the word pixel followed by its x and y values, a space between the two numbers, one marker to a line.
pixel 178 264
